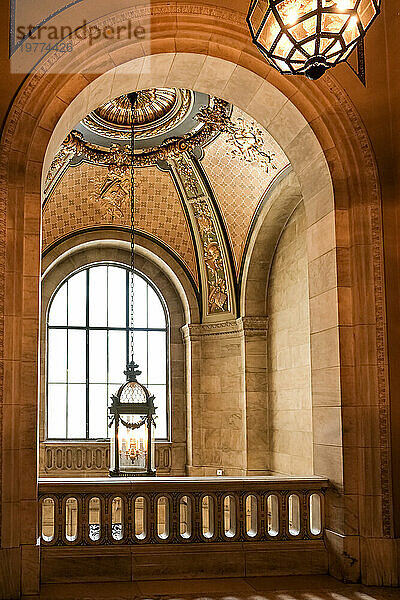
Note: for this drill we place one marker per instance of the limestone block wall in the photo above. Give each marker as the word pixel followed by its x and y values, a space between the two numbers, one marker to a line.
pixel 216 418
pixel 289 365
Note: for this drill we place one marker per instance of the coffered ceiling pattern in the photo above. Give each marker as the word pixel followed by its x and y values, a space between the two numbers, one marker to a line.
pixel 75 205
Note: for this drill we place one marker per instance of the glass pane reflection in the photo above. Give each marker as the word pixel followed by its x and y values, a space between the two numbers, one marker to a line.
pixel 88 345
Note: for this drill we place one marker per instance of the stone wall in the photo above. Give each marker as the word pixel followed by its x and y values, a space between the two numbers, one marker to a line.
pixel 289 370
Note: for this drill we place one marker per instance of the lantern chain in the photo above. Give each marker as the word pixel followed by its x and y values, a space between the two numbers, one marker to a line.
pixel 132 99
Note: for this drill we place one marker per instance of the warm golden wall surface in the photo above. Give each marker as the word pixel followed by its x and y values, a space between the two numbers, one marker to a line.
pixel 289 362
pixel 336 131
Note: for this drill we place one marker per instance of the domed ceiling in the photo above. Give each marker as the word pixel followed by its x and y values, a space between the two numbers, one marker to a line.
pixel 202 171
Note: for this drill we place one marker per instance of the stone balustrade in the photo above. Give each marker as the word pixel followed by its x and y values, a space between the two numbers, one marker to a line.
pixel 89 459
pixel 182 510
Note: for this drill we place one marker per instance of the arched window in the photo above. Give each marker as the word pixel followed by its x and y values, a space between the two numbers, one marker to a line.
pixel 87 349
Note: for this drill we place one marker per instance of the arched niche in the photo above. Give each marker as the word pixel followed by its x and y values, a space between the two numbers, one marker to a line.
pixel 80 251
pixel 328 147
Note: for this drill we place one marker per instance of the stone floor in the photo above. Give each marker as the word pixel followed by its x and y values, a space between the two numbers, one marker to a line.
pixel 256 588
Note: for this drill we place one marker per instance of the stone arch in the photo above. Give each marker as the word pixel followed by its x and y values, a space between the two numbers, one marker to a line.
pixel 63 263
pixel 148 249
pixel 344 227
pixel 278 204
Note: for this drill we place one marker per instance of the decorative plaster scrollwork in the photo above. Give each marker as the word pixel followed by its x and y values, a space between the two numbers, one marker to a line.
pixel 118 157
pixel 213 255
pixel 245 139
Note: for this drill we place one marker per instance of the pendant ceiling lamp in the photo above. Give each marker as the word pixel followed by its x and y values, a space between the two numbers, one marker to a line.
pixel 132 409
pixel 307 37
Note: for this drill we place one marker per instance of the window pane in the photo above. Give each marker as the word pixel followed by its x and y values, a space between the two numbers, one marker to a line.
pixel 140 306
pixel 116 297
pixel 77 410
pixel 76 356
pixel 57 363
pixel 140 341
pixel 98 356
pixel 107 351
pixel 56 410
pixel 98 296
pixel 77 300
pixel 58 309
pixel 159 392
pixel 116 355
pixel 98 411
pixel 157 357
pixel 114 387
pixel 156 311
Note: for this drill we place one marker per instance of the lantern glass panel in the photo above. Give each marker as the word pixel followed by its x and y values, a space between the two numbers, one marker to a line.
pixel 366 12
pixel 283 47
pixel 132 447
pixel 333 23
pixel 304 29
pixel 269 32
pixel 291 11
pixel 258 14
pixel 351 32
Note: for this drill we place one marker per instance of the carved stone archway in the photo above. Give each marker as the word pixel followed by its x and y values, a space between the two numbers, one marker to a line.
pixel 329 149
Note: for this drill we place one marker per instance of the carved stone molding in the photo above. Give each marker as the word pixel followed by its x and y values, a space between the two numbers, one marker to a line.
pixel 374 201
pixel 89 459
pixel 249 326
pixel 254 326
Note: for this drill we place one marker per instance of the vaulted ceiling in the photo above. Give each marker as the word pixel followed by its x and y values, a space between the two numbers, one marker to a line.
pixel 203 170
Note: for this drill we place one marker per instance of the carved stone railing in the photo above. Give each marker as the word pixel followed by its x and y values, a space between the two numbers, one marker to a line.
pixel 180 510
pixel 89 459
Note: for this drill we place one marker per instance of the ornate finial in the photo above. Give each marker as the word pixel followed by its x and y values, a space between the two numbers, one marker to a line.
pixel 132 371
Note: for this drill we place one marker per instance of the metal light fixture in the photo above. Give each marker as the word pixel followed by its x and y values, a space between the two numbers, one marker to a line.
pixel 132 408
pixel 308 37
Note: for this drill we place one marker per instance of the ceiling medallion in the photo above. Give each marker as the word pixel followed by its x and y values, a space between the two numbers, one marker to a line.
pixel 157 110
pixel 118 157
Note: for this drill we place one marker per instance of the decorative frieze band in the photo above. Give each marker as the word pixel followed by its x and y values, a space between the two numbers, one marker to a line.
pixel 248 326
pixel 85 459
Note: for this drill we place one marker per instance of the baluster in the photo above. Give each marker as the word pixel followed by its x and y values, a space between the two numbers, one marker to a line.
pixel 174 501
pixel 240 515
pixel 106 501
pixel 196 517
pixel 85 518
pixel 129 518
pixel 219 515
pixel 283 514
pixel 304 514
pixel 262 518
pixel 152 516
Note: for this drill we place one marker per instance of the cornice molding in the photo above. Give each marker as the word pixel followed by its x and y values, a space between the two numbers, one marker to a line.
pixel 244 326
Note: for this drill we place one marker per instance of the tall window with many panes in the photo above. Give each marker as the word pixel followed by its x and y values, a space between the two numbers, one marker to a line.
pixel 88 342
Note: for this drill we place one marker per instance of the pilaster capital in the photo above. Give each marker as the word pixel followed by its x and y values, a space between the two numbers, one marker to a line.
pixel 249 326
pixel 254 326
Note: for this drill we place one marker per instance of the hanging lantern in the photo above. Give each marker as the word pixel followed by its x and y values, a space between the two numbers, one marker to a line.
pixel 132 421
pixel 132 408
pixel 308 36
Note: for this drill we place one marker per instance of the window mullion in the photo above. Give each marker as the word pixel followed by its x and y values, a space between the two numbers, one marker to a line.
pixel 87 354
